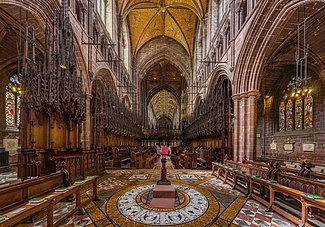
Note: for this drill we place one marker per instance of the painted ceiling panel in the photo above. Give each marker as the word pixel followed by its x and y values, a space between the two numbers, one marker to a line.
pixel 154 28
pixel 153 18
pixel 186 20
pixel 139 22
pixel 173 30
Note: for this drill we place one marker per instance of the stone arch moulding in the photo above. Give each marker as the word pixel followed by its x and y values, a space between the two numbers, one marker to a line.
pixel 218 72
pixel 44 9
pixel 105 75
pixel 81 65
pixel 172 60
pixel 252 55
pixel 168 49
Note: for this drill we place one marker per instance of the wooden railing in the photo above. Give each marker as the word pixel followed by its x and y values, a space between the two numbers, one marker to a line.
pixel 78 166
pixel 29 166
pixel 71 164
pixel 89 158
pixel 75 162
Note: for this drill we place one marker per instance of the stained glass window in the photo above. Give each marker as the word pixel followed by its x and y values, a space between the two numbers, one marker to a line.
pixel 282 110
pixel 289 115
pixel 10 108
pixel 18 110
pixel 298 112
pixel 13 102
pixel 308 123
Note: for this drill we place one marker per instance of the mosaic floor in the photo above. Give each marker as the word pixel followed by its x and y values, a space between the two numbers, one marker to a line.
pixel 207 202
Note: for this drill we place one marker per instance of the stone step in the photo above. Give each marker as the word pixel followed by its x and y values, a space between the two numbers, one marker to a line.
pixel 162 203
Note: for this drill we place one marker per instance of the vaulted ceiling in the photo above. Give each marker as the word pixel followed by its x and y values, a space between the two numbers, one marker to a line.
pixel 164 103
pixel 149 19
pixel 163 83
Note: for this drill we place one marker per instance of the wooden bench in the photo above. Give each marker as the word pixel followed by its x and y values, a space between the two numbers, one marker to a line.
pixel 27 210
pixel 21 192
pixel 121 156
pixel 306 202
pixel 256 178
pixel 144 159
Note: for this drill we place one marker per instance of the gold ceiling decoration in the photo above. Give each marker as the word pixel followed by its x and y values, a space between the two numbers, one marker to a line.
pixel 164 103
pixel 154 18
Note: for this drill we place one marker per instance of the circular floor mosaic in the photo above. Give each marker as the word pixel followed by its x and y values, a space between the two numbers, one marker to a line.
pixel 130 205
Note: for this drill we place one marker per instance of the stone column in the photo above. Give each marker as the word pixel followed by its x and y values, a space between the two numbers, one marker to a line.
pixel 251 124
pixel 86 125
pixel 236 126
pixel 242 126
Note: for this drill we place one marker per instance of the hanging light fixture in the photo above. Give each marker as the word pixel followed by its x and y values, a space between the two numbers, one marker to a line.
pixel 301 83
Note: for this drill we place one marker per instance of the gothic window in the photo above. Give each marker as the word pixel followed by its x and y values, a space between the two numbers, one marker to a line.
pixel 298 113
pixel 308 111
pixel 221 9
pixel 13 92
pixel 80 13
pixel 101 9
pixel 289 116
pixel 282 110
pixel 242 13
pixel 126 47
pixel 110 16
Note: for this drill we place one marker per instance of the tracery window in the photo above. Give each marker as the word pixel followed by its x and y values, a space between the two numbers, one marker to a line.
pixel 289 115
pixel 101 9
pixel 13 92
pixel 296 113
pixel 221 9
pixel 282 118
pixel 308 111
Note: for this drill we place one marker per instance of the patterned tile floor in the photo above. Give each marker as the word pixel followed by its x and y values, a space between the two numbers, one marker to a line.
pixel 252 214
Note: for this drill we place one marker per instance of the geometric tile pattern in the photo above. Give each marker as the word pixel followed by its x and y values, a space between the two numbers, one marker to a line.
pixel 254 214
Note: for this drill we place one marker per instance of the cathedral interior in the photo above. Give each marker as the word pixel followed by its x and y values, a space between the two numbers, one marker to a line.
pixel 162 113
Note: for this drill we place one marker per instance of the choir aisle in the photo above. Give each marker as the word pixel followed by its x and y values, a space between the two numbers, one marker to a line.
pixel 204 200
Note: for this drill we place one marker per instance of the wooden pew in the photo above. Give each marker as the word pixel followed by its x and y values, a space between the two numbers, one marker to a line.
pixel 207 156
pixel 300 196
pixel 185 159
pixel 120 156
pixel 26 210
pixel 144 159
pixel 19 193
pixel 259 174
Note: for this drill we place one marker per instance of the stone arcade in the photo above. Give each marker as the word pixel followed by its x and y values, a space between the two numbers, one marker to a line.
pixel 91 90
